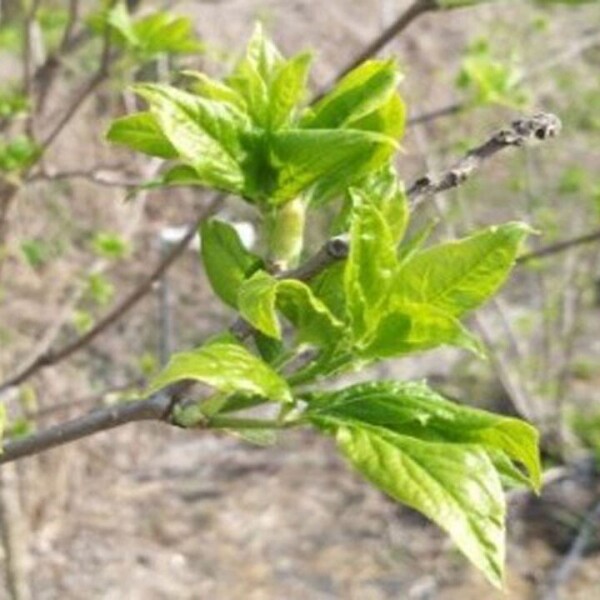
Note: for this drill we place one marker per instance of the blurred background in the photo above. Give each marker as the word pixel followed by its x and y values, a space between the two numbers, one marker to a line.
pixel 148 512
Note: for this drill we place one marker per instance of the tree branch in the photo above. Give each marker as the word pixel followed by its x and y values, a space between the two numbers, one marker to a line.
pixel 159 406
pixel 415 10
pixel 154 408
pixel 556 248
pixel 524 131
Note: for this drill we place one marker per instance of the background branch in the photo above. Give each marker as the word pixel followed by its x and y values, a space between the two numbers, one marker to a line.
pixel 54 356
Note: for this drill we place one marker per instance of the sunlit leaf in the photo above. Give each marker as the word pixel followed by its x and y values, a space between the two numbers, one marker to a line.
pixel 461 275
pixel 141 132
pixel 361 92
pixel 227 366
pixel 227 262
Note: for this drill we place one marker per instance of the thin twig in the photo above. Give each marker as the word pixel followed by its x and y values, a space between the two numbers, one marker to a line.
pixel 558 247
pixel 98 176
pixel 154 408
pixel 540 127
pixel 100 75
pixel 70 26
pixel 54 356
pixel 587 40
pixel 415 10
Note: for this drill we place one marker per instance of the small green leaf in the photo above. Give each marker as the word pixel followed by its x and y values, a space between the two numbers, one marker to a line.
pixel 110 245
pixel 226 365
pixel 253 76
pixel 409 327
pixel 389 119
pixel 227 262
pixel 205 133
pixel 288 89
pixel 358 94
pixel 163 32
pixel 369 267
pixel 213 89
pixel 384 190
pixel 17 153
pixel 119 19
pixel 262 295
pixel 99 289
pixel 459 276
pixel 141 132
pixel 329 160
pixel 256 301
pixel 181 175
pixel 262 54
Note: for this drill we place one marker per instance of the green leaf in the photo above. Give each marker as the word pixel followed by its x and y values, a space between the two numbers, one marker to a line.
pixel 162 32
pixel 181 175
pixel 262 295
pixel 288 89
pixel 226 365
pixel 328 286
pixel 456 486
pixel 459 276
pixel 414 409
pixel 409 327
pixel 214 90
pixel 369 267
pixel 205 133
pixel 358 94
pixel 141 132
pixel 262 54
pixel 330 160
pixel 389 119
pixel 227 262
pixel 253 76
pixel 110 245
pixel 384 190
pixel 489 80
pixel 17 153
pixel 119 19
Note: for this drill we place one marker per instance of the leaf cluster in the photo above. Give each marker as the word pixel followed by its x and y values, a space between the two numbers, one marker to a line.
pixel 251 135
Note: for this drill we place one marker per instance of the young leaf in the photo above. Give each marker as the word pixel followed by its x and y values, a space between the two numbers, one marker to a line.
pixel 141 132
pixel 384 190
pixel 206 134
pixel 456 486
pixel 214 90
pixel 331 159
pixel 389 119
pixel 459 276
pixel 227 366
pixel 414 409
pixel 361 92
pixel 253 75
pixel 119 19
pixel 162 32
pixel 369 267
pixel 287 89
pixel 410 327
pixel 262 295
pixel 227 262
